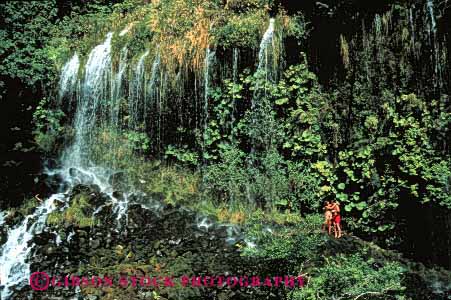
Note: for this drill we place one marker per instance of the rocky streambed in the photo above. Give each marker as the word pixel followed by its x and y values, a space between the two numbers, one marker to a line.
pixel 152 243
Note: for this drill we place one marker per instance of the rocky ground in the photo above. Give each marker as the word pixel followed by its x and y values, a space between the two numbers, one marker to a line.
pixel 84 238
pixel 155 240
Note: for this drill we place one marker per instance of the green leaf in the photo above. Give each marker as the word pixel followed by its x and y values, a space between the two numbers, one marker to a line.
pixel 361 205
pixel 282 101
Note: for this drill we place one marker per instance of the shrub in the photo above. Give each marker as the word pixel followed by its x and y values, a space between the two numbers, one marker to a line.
pixel 353 277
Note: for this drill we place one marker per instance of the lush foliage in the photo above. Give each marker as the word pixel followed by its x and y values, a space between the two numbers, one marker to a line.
pixel 49 127
pixel 353 277
pixel 26 27
pixel 261 140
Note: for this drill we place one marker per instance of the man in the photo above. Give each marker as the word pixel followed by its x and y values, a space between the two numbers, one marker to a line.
pixel 327 217
pixel 336 218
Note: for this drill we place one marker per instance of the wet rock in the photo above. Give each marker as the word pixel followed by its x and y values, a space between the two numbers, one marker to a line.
pixel 95 243
pixel 51 164
pixel 59 203
pixel 52 182
pixel 49 250
pixel 43 238
pixel 81 189
pixel 118 181
pixel 82 176
pixel 94 188
pixel 118 195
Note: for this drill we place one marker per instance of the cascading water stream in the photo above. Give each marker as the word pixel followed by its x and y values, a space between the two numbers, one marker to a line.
pixel 265 45
pixel 235 57
pixel 152 99
pixel 209 56
pixel 206 86
pixel 137 94
pixel 264 54
pixel 77 163
pixel 118 87
pixel 2 218
pixel 15 270
pixel 69 75
pixel 95 91
pixel 263 69
pixel 433 40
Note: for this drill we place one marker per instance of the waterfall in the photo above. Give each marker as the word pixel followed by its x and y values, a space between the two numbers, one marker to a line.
pixel 137 93
pixel 378 36
pixel 433 24
pixel 264 56
pixel 2 219
pixel 118 88
pixel 91 103
pixel 235 65
pixel 264 45
pixel 434 44
pixel 412 27
pixel 153 100
pixel 69 75
pixel 154 73
pixel 209 55
pixel 235 55
pixel 15 270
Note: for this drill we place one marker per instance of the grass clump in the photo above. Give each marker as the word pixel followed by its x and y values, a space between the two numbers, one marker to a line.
pixel 77 214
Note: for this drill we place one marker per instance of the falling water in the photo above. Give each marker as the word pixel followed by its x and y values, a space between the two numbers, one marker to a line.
pixel 77 168
pixel 154 73
pixel 2 219
pixel 264 55
pixel 434 44
pixel 137 93
pixel 235 64
pixel 412 25
pixel 124 31
pixel 235 80
pixel 208 59
pixel 95 91
pixel 69 75
pixel 152 99
pixel 433 25
pixel 15 271
pixel 118 88
pixel 263 69
pixel 264 45
pixel 378 36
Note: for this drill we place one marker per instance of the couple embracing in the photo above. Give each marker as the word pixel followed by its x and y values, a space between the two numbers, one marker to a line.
pixel 332 217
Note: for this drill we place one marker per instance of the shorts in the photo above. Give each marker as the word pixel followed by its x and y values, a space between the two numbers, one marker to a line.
pixel 337 219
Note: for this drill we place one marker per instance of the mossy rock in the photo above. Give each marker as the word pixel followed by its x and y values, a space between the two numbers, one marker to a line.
pixel 78 214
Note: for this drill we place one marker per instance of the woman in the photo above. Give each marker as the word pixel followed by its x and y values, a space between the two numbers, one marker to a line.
pixel 336 218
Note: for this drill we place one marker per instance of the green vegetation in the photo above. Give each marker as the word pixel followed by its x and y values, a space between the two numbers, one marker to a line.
pixel 353 277
pixel 79 214
pixel 49 131
pixel 262 147
pixel 269 144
